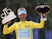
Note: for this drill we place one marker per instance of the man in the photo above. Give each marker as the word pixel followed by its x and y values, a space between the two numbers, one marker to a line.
pixel 23 29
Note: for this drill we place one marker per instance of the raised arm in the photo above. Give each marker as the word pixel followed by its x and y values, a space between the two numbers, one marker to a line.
pixel 38 25
pixel 7 30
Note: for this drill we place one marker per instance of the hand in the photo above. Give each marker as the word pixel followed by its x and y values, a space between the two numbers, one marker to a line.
pixel 9 22
pixel 43 17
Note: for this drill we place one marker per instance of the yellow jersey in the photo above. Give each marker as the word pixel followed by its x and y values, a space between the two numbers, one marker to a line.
pixel 23 30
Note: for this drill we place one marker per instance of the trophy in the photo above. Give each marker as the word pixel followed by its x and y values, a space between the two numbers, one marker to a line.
pixel 7 15
pixel 44 10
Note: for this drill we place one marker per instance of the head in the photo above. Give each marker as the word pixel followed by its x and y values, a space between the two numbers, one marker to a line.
pixel 22 14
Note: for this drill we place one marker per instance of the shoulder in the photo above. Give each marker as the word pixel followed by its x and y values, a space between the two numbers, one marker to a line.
pixel 30 21
pixel 16 23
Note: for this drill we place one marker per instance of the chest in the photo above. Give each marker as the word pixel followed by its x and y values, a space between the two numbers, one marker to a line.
pixel 23 25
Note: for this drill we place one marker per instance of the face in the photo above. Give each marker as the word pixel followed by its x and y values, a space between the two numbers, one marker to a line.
pixel 22 17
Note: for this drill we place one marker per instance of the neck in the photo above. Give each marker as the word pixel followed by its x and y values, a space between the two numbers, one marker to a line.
pixel 23 20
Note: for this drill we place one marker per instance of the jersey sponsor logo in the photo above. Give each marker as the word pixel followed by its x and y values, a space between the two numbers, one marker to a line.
pixel 24 33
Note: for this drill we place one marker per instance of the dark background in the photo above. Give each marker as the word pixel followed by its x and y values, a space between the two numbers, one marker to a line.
pixel 30 6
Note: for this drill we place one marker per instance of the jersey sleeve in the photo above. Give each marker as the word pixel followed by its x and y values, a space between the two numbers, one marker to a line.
pixel 37 25
pixel 7 30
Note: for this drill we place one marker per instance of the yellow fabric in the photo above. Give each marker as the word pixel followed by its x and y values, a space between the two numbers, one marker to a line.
pixel 26 25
